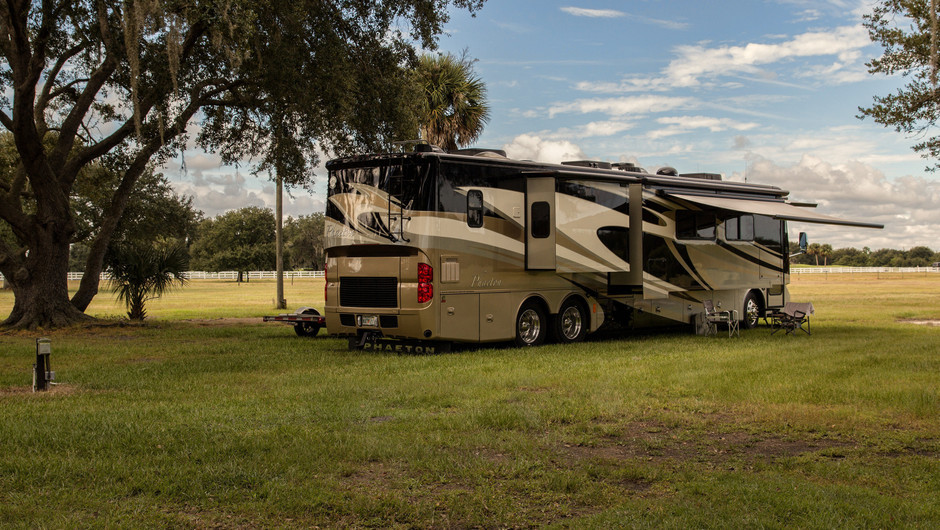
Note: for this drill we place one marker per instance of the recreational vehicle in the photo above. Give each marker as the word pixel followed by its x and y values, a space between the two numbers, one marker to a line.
pixel 433 247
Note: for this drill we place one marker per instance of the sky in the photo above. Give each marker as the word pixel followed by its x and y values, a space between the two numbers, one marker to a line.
pixel 765 91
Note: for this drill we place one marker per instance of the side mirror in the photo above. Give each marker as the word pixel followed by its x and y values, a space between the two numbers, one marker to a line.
pixel 804 244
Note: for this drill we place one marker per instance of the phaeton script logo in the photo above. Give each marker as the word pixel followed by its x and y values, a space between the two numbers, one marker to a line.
pixel 480 282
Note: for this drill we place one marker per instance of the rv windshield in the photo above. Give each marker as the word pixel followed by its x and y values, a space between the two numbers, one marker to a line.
pixel 406 181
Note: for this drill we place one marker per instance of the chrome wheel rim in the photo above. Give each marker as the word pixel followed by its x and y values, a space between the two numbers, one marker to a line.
pixel 752 311
pixel 571 323
pixel 530 326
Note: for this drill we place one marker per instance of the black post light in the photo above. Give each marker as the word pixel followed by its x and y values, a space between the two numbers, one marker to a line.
pixel 42 372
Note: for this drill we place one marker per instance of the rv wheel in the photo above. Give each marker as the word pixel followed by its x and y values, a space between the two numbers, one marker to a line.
pixel 571 324
pixel 530 325
pixel 752 310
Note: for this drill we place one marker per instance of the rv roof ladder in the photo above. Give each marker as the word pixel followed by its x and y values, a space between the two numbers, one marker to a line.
pixel 396 185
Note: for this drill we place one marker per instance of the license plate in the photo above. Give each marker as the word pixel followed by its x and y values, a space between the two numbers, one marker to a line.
pixel 370 321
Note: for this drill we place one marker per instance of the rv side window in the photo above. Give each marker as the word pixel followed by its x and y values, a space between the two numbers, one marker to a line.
pixel 475 208
pixel 695 225
pixel 617 239
pixel 768 232
pixel 541 220
pixel 740 228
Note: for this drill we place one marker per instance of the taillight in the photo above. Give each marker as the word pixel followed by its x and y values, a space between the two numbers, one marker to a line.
pixel 326 284
pixel 425 277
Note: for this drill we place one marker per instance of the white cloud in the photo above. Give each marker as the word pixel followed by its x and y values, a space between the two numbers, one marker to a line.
pixel 695 64
pixel 697 61
pixel 686 124
pixel 219 193
pixel 594 13
pixel 622 106
pixel 593 129
pixel 631 84
pixel 858 191
pixel 809 15
pixel 531 147
pixel 613 13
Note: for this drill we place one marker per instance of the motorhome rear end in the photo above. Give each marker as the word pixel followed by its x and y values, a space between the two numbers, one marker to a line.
pixel 476 247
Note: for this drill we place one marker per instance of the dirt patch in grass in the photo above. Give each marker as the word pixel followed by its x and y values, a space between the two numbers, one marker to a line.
pixel 651 440
pixel 102 326
pixel 924 447
pixel 231 321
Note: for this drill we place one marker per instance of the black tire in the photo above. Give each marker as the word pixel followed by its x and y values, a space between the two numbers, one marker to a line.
pixel 531 325
pixel 752 310
pixel 306 329
pixel 571 323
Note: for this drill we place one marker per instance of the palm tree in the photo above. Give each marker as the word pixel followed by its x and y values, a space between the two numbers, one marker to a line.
pixel 825 251
pixel 455 109
pixel 142 272
pixel 814 250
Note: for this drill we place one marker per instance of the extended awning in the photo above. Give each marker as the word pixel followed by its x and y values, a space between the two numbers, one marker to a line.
pixel 777 210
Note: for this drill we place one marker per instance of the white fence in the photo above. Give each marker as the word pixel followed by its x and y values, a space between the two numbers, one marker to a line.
pixel 272 275
pixel 862 270
pixel 225 275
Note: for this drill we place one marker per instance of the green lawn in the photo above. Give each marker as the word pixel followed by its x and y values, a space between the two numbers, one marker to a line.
pixel 204 417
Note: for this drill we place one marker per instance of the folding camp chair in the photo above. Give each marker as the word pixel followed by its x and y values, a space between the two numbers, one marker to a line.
pixel 713 317
pixel 793 317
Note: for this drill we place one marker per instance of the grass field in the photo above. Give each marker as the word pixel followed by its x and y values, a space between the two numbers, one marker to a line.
pixel 206 417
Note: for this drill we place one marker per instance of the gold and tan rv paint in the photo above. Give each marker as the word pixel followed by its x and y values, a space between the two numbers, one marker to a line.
pixel 475 247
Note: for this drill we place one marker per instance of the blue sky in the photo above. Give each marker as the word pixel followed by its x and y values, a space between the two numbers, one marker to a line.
pixel 765 89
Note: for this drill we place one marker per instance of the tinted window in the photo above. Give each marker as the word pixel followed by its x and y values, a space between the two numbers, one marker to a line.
pixel 747 227
pixel 695 225
pixel 410 183
pixel 617 239
pixel 731 229
pixel 740 228
pixel 453 176
pixel 541 220
pixel 475 208
pixel 768 232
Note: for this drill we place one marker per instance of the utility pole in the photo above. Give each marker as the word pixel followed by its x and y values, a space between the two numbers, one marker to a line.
pixel 279 242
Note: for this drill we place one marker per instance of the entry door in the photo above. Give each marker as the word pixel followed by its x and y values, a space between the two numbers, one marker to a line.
pixel 540 223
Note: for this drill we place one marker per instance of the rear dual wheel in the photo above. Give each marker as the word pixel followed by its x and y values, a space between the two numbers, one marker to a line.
pixel 533 325
pixel 571 324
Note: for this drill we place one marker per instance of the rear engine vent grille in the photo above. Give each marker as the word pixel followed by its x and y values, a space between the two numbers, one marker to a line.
pixel 368 291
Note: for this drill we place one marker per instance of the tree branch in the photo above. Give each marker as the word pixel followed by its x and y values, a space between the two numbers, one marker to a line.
pixel 6 121
pixel 12 213
pixel 46 95
pixel 75 117
pixel 88 287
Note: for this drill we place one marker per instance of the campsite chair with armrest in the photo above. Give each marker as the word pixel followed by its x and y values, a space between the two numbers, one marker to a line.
pixel 713 317
pixel 793 317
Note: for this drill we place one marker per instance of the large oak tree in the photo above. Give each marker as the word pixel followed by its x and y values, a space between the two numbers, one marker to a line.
pixel 908 31
pixel 270 79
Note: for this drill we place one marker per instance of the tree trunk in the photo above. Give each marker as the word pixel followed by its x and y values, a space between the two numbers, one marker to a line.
pixel 40 285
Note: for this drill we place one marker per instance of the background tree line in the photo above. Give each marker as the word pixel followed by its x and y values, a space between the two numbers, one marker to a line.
pixel 238 240
pixel 824 254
